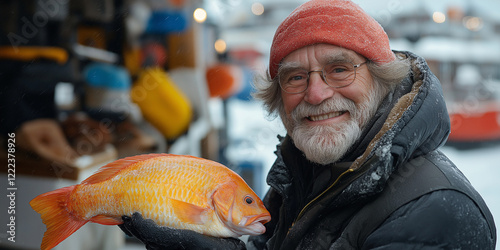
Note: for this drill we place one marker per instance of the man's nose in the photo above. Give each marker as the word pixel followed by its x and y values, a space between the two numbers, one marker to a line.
pixel 318 90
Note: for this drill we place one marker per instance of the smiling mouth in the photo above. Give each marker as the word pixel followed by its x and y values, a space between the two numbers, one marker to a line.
pixel 316 118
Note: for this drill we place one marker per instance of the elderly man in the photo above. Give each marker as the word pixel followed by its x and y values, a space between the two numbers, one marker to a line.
pixel 359 167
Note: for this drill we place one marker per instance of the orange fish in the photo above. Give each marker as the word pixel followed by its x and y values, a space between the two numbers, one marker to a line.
pixel 177 191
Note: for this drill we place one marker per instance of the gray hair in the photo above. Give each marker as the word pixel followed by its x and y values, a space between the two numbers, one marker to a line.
pixel 386 77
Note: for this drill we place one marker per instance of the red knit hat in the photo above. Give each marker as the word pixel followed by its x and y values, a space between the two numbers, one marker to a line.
pixel 338 22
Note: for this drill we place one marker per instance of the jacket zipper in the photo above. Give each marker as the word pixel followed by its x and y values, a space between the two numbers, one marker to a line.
pixel 319 196
pixel 350 170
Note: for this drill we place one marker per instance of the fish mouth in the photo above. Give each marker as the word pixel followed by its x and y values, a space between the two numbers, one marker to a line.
pixel 315 118
pixel 254 225
pixel 262 218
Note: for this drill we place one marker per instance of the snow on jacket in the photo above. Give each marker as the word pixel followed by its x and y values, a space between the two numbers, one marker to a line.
pixel 312 205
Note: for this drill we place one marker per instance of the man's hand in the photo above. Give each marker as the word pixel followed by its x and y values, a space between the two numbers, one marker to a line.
pixel 157 237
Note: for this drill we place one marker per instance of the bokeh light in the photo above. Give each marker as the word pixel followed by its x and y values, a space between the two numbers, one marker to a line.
pixel 220 46
pixel 473 23
pixel 438 17
pixel 257 9
pixel 200 15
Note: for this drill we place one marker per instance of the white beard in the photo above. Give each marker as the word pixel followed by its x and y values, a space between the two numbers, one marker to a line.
pixel 328 143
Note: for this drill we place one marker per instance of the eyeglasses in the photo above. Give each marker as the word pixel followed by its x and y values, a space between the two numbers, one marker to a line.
pixel 336 75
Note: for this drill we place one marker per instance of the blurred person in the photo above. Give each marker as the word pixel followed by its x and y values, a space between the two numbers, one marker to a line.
pixel 360 166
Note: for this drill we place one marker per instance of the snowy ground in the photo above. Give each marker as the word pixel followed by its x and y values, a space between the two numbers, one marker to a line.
pixel 254 139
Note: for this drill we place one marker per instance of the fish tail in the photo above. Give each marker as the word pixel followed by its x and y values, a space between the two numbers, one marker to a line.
pixel 59 221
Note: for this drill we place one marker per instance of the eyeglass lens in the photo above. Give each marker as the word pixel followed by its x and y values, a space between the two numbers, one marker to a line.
pixel 337 75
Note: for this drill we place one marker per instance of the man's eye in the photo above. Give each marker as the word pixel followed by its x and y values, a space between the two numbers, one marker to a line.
pixel 338 70
pixel 296 78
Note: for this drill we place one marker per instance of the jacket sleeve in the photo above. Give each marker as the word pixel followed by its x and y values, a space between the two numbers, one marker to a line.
pixel 444 219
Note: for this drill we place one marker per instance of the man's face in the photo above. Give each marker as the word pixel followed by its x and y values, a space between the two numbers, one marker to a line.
pixel 324 121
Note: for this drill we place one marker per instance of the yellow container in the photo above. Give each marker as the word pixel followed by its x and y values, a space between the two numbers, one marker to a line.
pixel 162 103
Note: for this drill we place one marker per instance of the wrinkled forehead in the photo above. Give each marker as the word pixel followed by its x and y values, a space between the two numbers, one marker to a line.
pixel 329 54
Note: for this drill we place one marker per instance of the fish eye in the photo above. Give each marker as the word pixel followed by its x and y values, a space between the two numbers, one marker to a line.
pixel 248 200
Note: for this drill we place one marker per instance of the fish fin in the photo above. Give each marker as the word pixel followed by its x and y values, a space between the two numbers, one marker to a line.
pixel 189 213
pixel 59 222
pixel 111 169
pixel 107 220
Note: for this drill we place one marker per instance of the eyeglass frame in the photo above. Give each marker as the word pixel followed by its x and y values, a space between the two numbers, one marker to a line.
pixel 323 77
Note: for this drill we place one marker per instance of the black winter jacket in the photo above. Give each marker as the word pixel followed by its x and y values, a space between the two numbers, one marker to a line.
pixel 318 207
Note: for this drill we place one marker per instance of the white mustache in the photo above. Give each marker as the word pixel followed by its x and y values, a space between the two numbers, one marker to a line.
pixel 305 109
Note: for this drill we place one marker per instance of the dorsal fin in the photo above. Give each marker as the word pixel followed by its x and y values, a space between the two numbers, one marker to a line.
pixel 111 169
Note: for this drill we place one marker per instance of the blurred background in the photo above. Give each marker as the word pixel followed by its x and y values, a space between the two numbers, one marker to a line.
pixel 85 82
